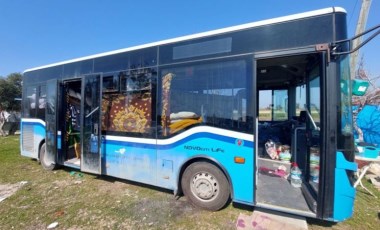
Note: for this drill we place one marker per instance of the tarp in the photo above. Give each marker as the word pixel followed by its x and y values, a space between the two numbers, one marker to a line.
pixel 369 122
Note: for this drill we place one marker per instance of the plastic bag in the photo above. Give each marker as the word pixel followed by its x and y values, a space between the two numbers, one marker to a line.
pixel 270 148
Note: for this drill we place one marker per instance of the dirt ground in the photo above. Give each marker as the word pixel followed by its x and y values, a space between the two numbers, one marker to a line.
pixel 92 202
pixel 82 201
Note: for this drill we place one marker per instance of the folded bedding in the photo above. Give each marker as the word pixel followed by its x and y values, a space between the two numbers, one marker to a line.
pixel 181 124
pixel 183 115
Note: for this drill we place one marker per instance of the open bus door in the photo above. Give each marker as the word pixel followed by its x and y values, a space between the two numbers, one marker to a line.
pixel 49 157
pixel 290 115
pixel 91 120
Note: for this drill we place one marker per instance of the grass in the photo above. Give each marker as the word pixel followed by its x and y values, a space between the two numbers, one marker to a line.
pixel 99 202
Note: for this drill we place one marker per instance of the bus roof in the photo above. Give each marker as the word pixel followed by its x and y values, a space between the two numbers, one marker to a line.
pixel 203 34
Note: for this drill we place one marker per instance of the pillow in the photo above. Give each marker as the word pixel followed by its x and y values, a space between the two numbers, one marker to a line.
pixel 42 103
pixel 182 115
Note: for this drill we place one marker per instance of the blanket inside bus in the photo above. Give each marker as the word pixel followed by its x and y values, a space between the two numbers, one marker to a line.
pixel 127 113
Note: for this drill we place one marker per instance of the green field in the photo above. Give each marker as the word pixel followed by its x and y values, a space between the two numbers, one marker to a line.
pixel 85 201
pixel 281 115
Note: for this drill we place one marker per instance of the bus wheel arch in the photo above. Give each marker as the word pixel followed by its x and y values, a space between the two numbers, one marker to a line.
pixel 205 183
pixel 43 158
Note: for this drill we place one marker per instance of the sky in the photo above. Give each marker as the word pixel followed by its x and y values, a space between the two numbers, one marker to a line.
pixel 41 32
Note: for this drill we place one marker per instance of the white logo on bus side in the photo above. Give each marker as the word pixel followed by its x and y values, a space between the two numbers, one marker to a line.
pixel 121 151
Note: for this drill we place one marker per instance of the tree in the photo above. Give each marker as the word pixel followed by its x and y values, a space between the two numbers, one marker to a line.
pixel 372 96
pixel 10 89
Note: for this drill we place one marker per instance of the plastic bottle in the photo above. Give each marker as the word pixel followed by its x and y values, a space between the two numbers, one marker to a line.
pixel 295 176
pixel 314 174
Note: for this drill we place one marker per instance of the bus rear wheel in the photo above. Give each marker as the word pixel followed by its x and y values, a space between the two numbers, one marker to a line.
pixel 205 186
pixel 46 163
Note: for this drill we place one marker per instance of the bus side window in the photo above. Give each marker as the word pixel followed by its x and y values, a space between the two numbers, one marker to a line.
pixel 132 109
pixel 41 105
pixel 30 102
pixel 212 94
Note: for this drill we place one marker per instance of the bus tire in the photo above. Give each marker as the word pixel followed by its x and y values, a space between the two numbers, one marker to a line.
pixel 206 186
pixel 46 164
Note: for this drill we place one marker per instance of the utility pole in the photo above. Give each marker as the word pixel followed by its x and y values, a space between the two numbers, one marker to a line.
pixel 362 21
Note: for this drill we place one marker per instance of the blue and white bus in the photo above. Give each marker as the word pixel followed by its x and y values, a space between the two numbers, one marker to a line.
pixel 217 116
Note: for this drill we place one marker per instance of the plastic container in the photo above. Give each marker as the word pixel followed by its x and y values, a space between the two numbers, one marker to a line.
pixel 314 150
pixel 270 148
pixel 314 159
pixel 370 152
pixel 314 174
pixel 295 176
pixel 285 156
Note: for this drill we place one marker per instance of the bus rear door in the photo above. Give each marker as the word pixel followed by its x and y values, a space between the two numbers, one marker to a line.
pixel 91 120
pixel 50 155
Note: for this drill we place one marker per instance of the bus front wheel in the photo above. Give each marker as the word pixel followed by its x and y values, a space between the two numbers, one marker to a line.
pixel 46 163
pixel 205 186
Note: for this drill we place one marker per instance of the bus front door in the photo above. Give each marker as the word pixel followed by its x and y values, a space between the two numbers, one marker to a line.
pixel 288 131
pixel 91 128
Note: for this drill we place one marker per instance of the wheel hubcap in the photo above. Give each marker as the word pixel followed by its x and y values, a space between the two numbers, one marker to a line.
pixel 204 186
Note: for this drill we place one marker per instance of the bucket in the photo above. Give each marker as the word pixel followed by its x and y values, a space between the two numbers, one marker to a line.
pixel 370 152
